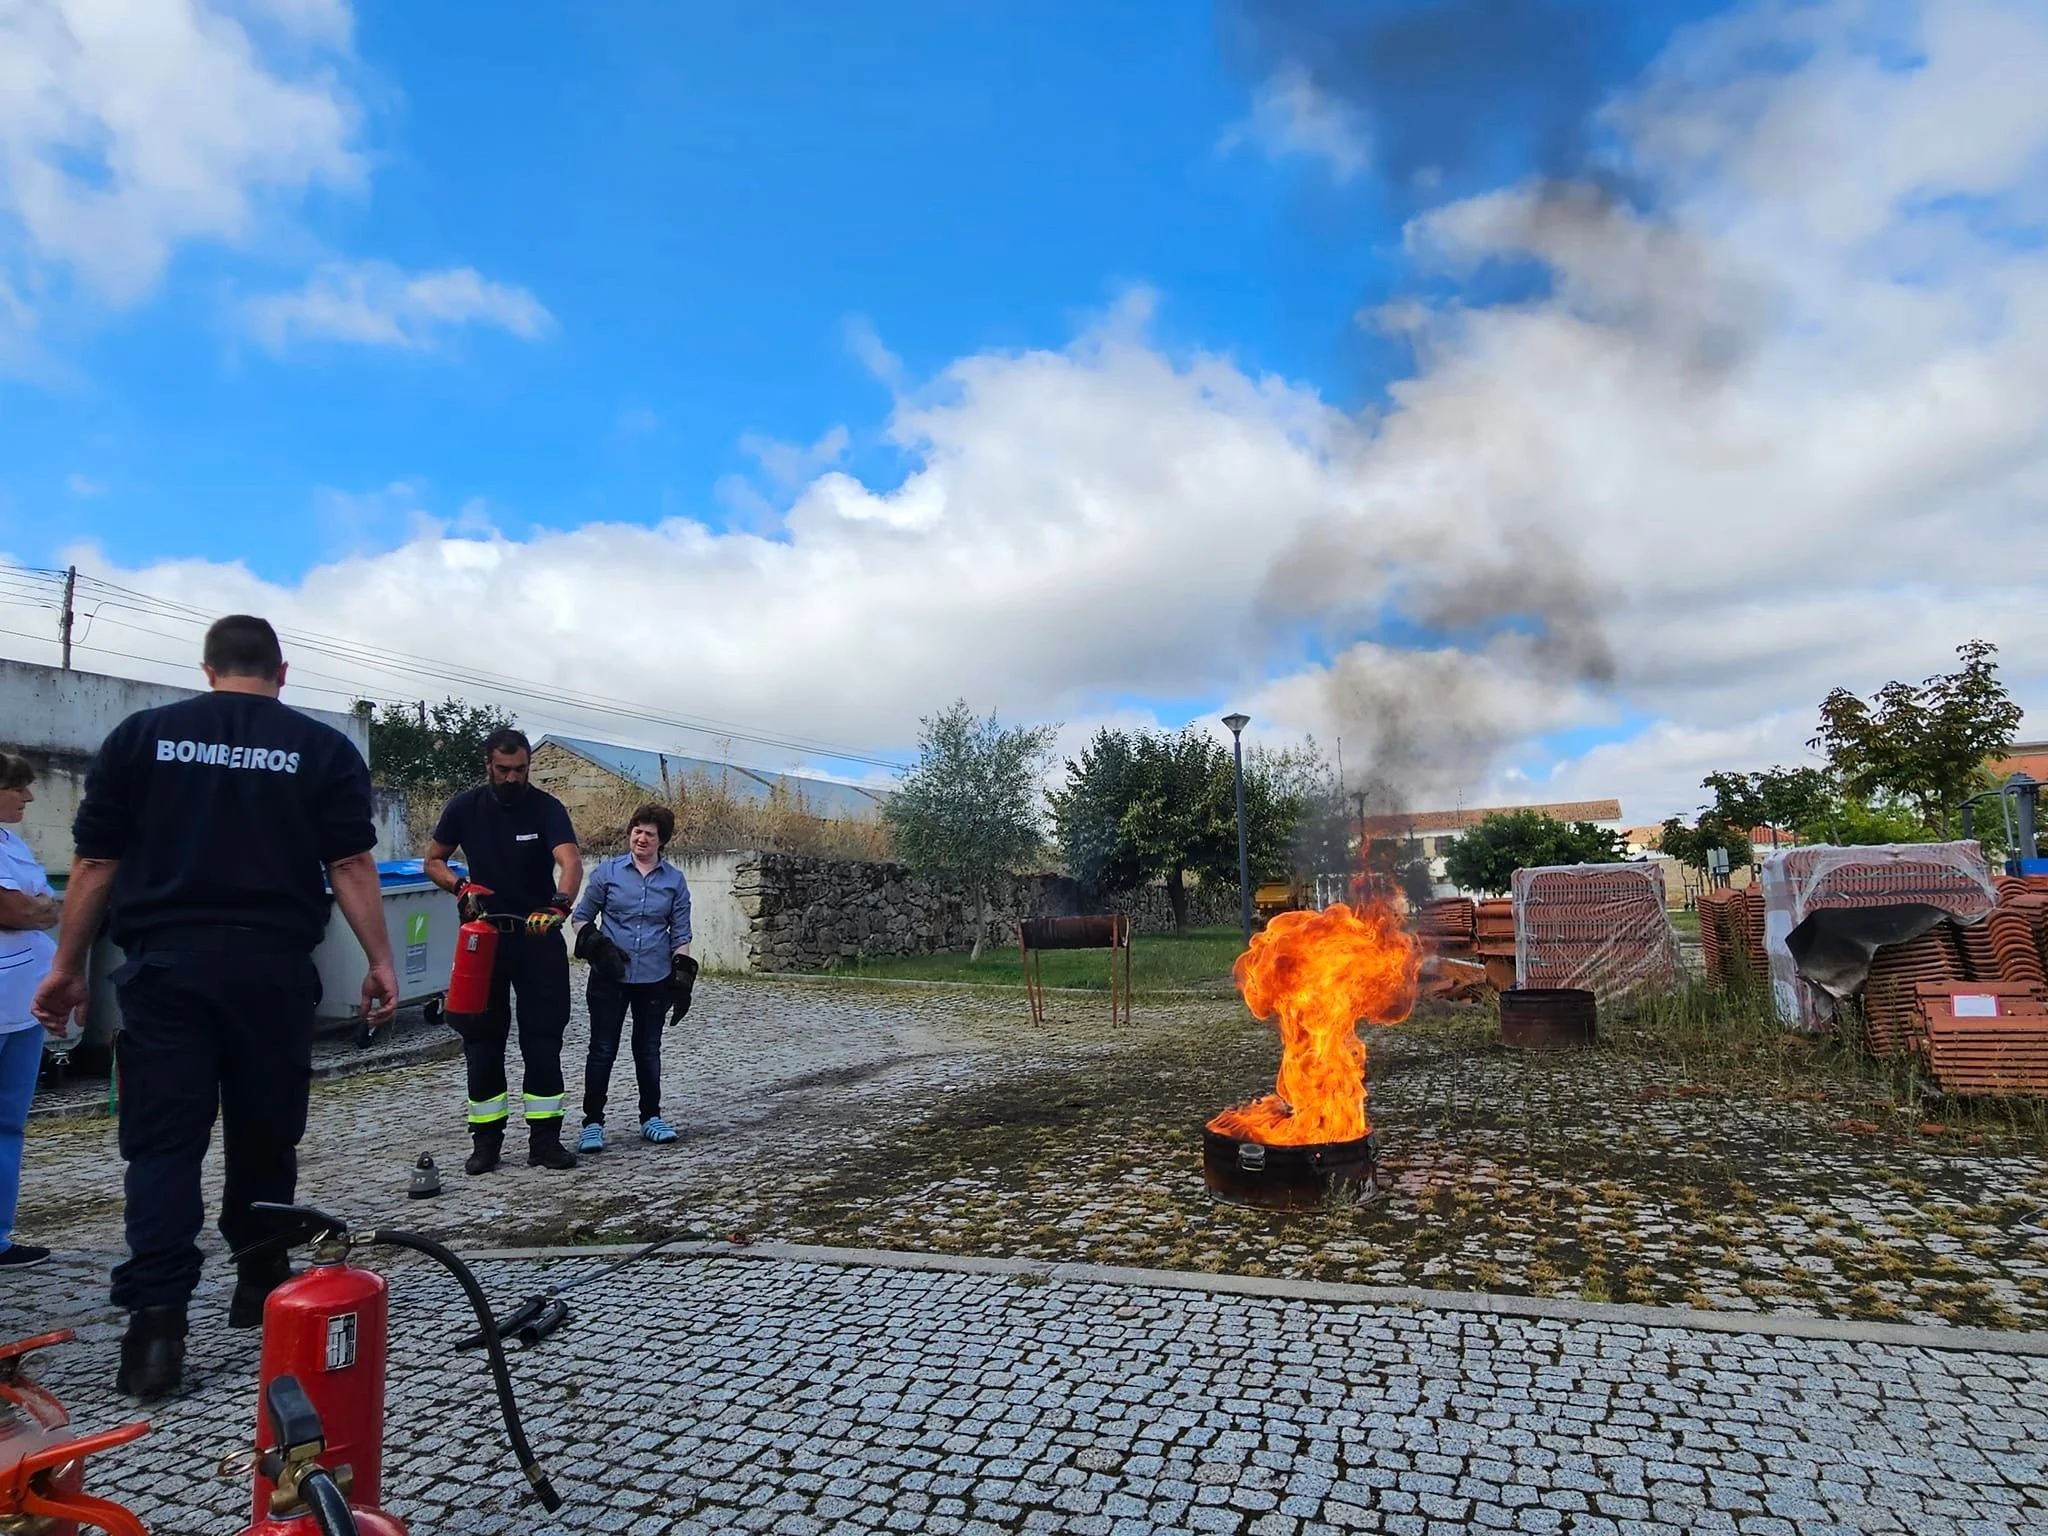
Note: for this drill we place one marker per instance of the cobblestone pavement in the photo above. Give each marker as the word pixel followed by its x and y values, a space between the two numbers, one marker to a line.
pixel 716 1394
pixel 782 1395
pixel 937 1119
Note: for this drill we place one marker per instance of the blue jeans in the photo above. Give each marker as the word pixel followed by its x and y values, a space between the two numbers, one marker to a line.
pixel 609 1002
pixel 21 1062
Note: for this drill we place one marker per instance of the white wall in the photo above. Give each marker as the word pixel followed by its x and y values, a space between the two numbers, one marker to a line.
pixel 717 925
pixel 60 718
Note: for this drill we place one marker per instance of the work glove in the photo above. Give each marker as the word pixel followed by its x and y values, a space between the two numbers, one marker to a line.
pixel 595 948
pixel 682 980
pixel 470 900
pixel 545 921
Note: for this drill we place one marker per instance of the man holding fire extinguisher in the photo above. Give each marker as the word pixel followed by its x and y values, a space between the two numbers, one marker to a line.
pixel 524 871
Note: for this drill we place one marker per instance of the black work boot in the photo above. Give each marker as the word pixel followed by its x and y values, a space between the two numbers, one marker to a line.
pixel 486 1145
pixel 152 1353
pixel 545 1150
pixel 255 1279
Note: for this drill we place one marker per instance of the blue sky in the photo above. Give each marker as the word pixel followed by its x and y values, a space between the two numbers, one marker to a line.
pixel 704 199
pixel 1542 395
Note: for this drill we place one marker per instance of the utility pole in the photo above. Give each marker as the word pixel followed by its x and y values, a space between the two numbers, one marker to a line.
pixel 423 714
pixel 64 619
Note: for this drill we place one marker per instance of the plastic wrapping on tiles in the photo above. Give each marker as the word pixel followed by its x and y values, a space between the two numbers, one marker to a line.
pixel 1605 928
pixel 1953 877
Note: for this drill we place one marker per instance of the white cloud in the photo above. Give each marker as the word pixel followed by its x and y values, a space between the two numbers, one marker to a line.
pixel 865 343
pixel 1291 115
pixel 1744 452
pixel 376 304
pixel 81 487
pixel 128 127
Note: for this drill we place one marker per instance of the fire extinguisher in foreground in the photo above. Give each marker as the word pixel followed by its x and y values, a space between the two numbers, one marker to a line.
pixel 320 1429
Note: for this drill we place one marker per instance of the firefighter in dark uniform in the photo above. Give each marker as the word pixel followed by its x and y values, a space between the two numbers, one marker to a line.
pixel 520 848
pixel 203 836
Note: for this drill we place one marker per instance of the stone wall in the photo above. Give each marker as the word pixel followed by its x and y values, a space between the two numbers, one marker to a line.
pixel 805 914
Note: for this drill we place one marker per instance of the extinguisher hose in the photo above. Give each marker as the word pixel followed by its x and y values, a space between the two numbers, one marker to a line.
pixel 480 1304
pixel 329 1505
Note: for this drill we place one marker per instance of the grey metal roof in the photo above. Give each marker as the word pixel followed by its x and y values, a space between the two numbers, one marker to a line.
pixel 666 772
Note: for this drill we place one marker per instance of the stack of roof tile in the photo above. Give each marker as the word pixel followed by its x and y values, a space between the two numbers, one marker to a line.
pixel 1980 956
pixel 1984 1035
pixel 1797 882
pixel 1988 1041
pixel 2014 940
pixel 1720 944
pixel 1732 936
pixel 2010 886
pixel 1494 926
pixel 1601 927
pixel 1451 921
pixel 1891 997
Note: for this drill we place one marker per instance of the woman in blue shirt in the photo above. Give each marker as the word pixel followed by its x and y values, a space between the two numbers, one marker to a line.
pixel 27 914
pixel 645 904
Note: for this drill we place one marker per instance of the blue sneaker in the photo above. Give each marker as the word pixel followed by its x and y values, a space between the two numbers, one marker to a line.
pixel 592 1139
pixel 658 1131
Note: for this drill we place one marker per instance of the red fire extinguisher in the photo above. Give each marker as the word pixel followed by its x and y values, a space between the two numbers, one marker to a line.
pixel 469 982
pixel 320 1430
pixel 325 1331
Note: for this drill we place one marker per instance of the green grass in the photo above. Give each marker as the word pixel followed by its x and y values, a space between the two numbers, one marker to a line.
pixel 1159 962
pixel 1687 923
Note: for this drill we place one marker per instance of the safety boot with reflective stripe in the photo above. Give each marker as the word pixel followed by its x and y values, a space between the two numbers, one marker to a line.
pixel 544 1145
pixel 487 1141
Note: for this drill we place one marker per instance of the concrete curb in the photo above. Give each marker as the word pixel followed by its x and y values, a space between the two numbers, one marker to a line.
pixel 2032 1343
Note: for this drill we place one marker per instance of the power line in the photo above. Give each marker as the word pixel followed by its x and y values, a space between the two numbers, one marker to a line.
pixel 412 669
pixel 158 661
pixel 405 664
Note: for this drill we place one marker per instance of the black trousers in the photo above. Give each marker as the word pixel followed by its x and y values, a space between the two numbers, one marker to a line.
pixel 207 1024
pixel 532 969
pixel 609 1002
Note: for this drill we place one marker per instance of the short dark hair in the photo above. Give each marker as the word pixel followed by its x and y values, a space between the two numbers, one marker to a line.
pixel 17 772
pixel 659 817
pixel 242 645
pixel 505 739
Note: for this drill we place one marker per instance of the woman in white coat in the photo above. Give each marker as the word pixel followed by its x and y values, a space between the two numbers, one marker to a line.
pixel 28 912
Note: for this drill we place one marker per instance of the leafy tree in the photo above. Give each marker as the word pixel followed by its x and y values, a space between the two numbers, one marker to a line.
pixel 1782 799
pixel 430 748
pixel 1691 845
pixel 1091 813
pixel 1145 805
pixel 1852 823
pixel 969 808
pixel 1925 744
pixel 1184 817
pixel 1485 857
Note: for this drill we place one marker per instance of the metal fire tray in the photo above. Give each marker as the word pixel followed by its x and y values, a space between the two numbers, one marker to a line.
pixel 1277 1178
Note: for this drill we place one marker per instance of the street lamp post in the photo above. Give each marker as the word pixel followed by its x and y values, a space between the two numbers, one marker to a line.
pixel 1237 723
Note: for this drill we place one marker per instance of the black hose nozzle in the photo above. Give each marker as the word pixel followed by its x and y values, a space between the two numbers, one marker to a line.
pixel 501 1375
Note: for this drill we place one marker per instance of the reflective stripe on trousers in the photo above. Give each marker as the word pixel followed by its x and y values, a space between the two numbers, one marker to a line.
pixel 539 1107
pixel 489 1111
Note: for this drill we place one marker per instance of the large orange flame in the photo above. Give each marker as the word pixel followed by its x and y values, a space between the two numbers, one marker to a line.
pixel 1321 974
